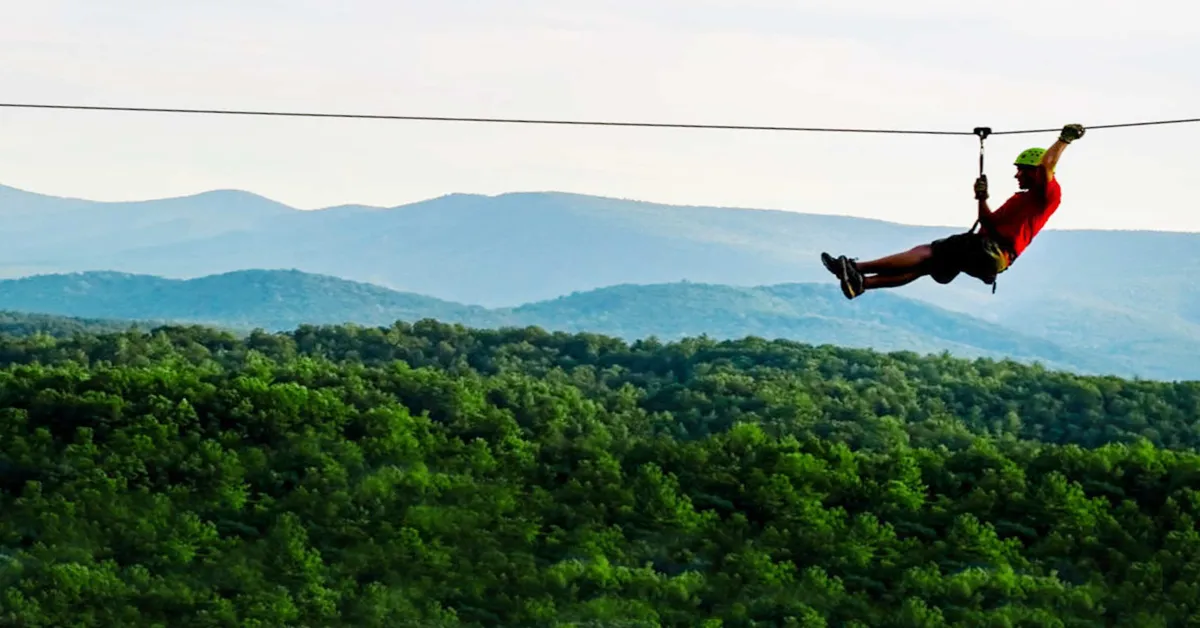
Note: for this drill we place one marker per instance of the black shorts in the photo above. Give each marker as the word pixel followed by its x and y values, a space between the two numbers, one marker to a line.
pixel 968 253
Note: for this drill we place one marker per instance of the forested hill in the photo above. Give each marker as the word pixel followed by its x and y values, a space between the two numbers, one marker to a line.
pixel 20 324
pixel 811 313
pixel 1069 289
pixel 431 475
pixel 815 314
pixel 271 299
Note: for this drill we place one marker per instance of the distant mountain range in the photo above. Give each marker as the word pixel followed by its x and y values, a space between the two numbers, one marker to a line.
pixel 812 313
pixel 1123 294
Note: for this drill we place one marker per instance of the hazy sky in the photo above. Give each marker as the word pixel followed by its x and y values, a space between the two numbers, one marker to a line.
pixel 929 64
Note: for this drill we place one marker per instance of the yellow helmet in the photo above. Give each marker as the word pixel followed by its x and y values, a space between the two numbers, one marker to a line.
pixel 1030 157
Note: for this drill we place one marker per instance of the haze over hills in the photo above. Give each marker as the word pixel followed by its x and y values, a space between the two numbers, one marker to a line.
pixel 811 313
pixel 493 251
pixel 1118 292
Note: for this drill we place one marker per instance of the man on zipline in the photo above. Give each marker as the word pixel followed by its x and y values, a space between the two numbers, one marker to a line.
pixel 1003 234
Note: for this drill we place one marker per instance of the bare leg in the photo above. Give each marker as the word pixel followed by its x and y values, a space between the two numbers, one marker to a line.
pixel 886 272
pixel 899 263
pixel 871 282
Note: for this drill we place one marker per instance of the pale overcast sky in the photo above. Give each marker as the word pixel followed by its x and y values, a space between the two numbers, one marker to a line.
pixel 930 64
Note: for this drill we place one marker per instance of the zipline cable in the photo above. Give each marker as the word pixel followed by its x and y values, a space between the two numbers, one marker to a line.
pixel 734 127
pixel 1101 126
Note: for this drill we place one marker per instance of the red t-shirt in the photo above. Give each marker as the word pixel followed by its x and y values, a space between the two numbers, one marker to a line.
pixel 1024 214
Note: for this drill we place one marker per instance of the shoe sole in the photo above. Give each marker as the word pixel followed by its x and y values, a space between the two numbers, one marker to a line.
pixel 846 290
pixel 845 276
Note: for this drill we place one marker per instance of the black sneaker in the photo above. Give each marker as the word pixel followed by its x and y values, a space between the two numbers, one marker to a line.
pixel 834 265
pixel 852 281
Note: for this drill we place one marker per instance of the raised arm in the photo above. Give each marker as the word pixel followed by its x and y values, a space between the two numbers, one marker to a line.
pixel 1070 133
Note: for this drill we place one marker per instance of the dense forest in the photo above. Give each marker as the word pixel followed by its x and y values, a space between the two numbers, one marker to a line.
pixel 435 475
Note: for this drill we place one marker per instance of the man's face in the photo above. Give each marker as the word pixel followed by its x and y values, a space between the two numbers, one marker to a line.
pixel 1027 177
